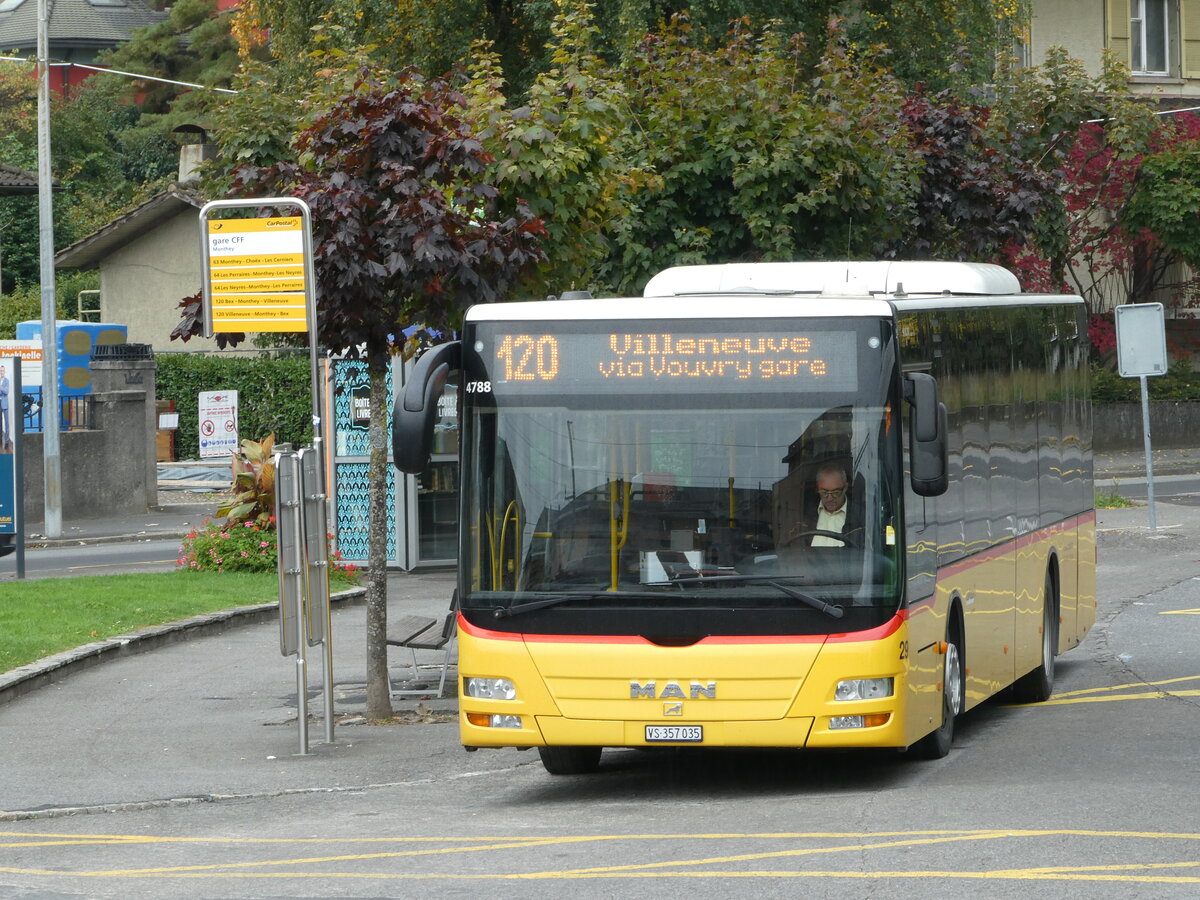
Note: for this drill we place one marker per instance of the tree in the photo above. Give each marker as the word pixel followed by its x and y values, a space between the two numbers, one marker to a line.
pixel 976 198
pixel 560 149
pixel 403 235
pixel 192 44
pixel 1084 133
pixel 99 169
pixel 1162 215
pixel 755 156
pixel 940 43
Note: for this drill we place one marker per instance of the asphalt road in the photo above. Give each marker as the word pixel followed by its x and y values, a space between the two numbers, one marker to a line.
pixel 1092 794
pixel 67 560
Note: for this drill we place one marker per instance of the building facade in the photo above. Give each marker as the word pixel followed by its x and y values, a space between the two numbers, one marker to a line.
pixel 1158 39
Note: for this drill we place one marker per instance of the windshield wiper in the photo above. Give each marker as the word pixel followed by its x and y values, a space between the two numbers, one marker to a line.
pixel 517 609
pixel 773 580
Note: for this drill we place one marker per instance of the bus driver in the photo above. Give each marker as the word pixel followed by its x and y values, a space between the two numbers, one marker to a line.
pixel 833 495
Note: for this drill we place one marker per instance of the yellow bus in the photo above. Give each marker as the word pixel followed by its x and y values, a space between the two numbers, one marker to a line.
pixel 807 505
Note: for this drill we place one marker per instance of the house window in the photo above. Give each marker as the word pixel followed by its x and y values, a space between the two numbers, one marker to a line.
pixel 1149 27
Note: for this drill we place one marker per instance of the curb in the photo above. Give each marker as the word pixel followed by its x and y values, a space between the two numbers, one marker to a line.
pixel 25 679
pixel 40 542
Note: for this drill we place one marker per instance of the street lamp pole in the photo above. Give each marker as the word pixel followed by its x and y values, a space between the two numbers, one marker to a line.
pixel 51 412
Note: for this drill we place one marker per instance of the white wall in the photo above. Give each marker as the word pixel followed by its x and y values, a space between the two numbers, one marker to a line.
pixel 142 283
pixel 1076 25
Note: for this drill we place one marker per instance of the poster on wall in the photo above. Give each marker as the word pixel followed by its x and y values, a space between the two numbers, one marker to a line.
pixel 218 423
pixel 30 354
pixel 10 418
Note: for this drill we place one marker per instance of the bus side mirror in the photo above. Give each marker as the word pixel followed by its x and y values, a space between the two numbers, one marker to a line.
pixel 926 436
pixel 416 409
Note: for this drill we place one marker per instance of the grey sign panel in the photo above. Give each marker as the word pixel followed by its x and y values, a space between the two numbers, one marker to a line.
pixel 316 543
pixel 288 513
pixel 1141 340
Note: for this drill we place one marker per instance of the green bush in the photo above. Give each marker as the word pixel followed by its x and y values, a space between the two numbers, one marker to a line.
pixel 245 547
pixel 274 394
pixel 1180 383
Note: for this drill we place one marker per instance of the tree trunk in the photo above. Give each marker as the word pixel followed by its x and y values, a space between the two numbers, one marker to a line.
pixel 379 699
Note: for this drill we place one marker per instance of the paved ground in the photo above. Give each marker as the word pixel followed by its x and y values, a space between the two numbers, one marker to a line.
pixel 214 713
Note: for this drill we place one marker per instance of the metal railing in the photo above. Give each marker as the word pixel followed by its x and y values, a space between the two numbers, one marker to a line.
pixel 76 413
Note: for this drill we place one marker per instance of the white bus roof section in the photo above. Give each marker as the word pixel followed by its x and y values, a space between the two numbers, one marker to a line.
pixel 698 308
pixel 837 279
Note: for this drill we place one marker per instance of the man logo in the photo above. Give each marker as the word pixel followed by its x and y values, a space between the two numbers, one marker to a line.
pixel 674 708
pixel 672 691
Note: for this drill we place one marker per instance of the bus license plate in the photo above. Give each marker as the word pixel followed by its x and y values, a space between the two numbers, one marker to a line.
pixel 680 734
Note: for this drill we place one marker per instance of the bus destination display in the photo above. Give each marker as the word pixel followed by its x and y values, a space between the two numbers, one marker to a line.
pixel 620 361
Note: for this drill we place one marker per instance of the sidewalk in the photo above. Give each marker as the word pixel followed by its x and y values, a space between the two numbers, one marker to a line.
pixel 169 520
pixel 212 715
pixel 1131 464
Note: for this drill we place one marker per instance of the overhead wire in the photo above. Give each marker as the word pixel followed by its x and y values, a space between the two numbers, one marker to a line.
pixel 190 84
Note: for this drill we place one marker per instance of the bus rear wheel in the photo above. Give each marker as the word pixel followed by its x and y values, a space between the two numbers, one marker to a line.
pixel 937 744
pixel 570 760
pixel 1038 685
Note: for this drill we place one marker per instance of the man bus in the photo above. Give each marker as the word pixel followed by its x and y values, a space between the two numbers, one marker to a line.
pixel 640 558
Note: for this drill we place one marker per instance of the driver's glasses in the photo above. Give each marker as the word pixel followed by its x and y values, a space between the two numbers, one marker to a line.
pixel 836 492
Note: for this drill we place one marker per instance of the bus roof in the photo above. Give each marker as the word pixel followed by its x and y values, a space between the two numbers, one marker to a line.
pixel 837 279
pixel 786 290
pixel 689 307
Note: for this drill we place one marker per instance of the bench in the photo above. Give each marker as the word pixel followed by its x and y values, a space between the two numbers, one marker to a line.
pixel 421 633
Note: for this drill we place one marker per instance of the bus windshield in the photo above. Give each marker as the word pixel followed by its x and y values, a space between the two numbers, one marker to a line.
pixel 708 504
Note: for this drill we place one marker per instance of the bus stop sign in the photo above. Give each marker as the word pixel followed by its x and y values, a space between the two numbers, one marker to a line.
pixel 1141 340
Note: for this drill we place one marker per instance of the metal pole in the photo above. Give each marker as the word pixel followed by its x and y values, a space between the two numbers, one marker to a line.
pixel 51 413
pixel 16 412
pixel 319 451
pixel 1149 462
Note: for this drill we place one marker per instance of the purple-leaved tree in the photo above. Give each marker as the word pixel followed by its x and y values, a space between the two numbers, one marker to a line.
pixel 406 232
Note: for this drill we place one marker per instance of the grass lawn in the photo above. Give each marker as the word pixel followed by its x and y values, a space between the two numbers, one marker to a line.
pixel 46 616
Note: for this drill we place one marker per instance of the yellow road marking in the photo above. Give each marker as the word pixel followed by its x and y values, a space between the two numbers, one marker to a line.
pixel 1141 873
pixel 1122 687
pixel 144 562
pixel 1109 694
pixel 1180 612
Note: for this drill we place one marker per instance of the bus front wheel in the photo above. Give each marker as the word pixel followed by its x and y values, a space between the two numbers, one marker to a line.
pixel 570 760
pixel 936 744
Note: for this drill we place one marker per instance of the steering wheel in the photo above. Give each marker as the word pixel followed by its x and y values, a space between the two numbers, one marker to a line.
pixel 849 539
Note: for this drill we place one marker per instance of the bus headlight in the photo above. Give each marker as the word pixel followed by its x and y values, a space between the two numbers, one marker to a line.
pixel 873 721
pixel 483 720
pixel 491 688
pixel 864 689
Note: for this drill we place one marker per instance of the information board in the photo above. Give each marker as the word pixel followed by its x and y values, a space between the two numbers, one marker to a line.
pixel 674 359
pixel 256 274
pixel 218 423
pixel 1141 340
pixel 30 354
